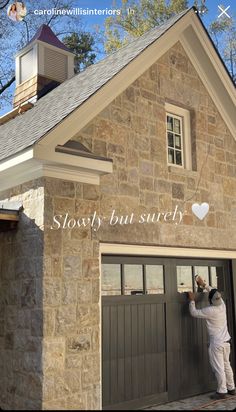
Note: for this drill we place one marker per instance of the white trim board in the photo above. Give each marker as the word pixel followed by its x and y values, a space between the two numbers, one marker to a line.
pixel 138 250
pixel 214 84
pixel 26 167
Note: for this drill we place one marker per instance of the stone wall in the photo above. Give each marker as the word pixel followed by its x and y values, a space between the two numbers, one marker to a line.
pixel 21 328
pixel 51 322
pixel 132 131
pixel 71 306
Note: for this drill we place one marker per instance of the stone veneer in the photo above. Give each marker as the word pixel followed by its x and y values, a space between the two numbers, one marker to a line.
pixel 64 317
pixel 21 310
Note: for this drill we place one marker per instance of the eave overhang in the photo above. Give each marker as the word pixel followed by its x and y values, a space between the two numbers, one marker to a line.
pixel 39 162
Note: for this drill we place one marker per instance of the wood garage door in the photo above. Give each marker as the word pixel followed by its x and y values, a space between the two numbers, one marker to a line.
pixel 153 350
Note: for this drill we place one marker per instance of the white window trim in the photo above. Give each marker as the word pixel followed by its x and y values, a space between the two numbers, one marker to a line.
pixel 186 135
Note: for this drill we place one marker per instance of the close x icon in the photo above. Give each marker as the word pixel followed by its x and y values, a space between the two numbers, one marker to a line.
pixel 223 11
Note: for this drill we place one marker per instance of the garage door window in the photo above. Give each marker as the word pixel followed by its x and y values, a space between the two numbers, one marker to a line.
pixel 212 275
pixel 184 279
pixel 154 279
pixel 111 279
pixel 131 279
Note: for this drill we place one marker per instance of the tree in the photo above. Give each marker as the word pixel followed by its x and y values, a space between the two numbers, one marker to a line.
pixel 223 32
pixel 82 45
pixel 14 36
pixel 4 3
pixel 201 6
pixel 136 18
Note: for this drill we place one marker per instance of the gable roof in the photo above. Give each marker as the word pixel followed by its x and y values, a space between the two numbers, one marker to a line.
pixel 25 130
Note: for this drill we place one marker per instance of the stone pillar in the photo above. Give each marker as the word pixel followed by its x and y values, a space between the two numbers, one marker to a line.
pixel 49 304
pixel 21 311
pixel 71 344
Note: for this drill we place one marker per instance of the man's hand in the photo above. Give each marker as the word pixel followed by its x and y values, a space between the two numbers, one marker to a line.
pixel 191 296
pixel 200 281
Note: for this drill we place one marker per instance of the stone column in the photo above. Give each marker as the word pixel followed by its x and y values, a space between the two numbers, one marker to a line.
pixel 21 311
pixel 71 310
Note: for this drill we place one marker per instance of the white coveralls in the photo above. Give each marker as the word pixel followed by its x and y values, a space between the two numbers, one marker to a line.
pixel 219 348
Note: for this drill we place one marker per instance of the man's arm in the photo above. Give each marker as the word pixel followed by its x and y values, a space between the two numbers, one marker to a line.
pixel 205 313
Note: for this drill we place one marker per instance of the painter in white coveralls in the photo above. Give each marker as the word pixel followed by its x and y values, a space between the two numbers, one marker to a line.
pixel 219 338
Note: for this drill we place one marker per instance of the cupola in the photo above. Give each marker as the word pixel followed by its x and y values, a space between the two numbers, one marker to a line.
pixel 41 65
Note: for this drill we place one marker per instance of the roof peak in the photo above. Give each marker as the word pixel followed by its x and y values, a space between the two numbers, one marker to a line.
pixel 46 35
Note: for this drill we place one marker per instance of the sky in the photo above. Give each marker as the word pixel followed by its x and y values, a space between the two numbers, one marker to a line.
pixel 211 4
pixel 90 21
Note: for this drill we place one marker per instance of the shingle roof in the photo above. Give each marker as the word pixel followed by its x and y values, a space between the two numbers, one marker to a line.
pixel 26 129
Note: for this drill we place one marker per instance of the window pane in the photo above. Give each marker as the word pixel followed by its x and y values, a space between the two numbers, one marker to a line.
pixel 176 125
pixel 177 141
pixel 178 157
pixel 171 156
pixel 170 139
pixel 203 272
pixel 217 278
pixel 170 123
pixel 133 279
pixel 111 279
pixel 154 279
pixel 184 279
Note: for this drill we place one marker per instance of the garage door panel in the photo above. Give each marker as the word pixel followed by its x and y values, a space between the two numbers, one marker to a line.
pixel 135 349
pixel 106 354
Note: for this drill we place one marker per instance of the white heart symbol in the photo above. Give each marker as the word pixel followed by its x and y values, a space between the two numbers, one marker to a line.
pixel 200 210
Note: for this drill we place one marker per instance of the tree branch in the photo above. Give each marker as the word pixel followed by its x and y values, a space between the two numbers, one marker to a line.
pixel 2 6
pixel 8 84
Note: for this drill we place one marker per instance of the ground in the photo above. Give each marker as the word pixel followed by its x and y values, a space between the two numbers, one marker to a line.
pixel 200 402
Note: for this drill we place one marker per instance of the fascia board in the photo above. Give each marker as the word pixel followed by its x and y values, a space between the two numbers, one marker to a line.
pixel 32 169
pixel 51 157
pixel 221 93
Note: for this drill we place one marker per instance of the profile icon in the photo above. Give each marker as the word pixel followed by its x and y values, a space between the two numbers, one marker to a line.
pixel 17 11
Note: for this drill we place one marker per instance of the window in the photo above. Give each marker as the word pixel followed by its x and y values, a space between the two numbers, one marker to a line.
pixel 133 275
pixel 132 279
pixel 111 279
pixel 212 275
pixel 178 137
pixel 155 279
pixel 184 279
pixel 175 140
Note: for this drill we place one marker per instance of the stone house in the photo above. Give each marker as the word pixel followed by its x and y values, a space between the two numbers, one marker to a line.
pixel 98 239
